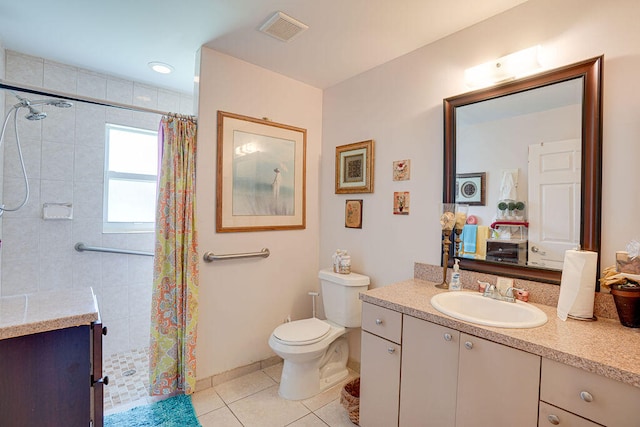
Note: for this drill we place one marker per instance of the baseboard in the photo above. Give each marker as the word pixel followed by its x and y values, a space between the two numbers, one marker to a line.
pixel 214 380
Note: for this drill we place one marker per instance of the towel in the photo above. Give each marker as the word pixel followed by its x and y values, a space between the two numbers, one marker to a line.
pixel 469 233
pixel 481 241
pixel 508 186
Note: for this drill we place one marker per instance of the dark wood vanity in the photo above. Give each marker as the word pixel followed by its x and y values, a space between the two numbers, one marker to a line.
pixel 51 372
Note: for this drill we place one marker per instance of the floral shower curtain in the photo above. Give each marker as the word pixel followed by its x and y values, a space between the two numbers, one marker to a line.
pixel 172 362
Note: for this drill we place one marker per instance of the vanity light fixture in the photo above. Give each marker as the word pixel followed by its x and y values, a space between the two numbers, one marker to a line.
pixel 160 67
pixel 506 68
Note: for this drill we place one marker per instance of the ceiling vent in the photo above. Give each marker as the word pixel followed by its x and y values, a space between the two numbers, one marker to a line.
pixel 283 27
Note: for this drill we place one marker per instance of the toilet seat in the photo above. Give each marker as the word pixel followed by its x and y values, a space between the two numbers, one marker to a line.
pixel 302 332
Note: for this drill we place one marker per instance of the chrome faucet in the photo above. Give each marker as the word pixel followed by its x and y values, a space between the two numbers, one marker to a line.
pixel 492 292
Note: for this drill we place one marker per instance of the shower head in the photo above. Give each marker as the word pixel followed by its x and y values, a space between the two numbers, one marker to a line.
pixel 60 103
pixel 34 114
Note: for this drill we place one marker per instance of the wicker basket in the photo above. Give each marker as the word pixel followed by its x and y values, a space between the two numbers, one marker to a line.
pixel 350 399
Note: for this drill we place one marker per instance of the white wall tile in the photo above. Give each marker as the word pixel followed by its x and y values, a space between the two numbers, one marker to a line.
pixel 55 191
pixel 92 84
pixel 140 300
pixel 87 201
pixel 90 124
pixel 19 275
pixel 140 269
pixel 24 69
pixel 87 268
pixel 115 303
pixel 114 270
pixel 20 239
pixel 117 340
pixel 31 154
pixel 14 192
pixel 59 126
pixel 60 77
pixel 168 101
pixel 145 96
pixel 57 161
pixel 55 270
pixel 139 331
pixel 89 165
pixel 120 91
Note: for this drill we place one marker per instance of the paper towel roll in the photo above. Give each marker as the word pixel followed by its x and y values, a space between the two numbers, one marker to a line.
pixel 578 284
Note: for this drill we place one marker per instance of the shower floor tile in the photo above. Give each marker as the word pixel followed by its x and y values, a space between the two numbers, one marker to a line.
pixel 128 374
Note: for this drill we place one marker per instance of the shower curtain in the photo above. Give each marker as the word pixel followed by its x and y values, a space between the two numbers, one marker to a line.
pixel 174 306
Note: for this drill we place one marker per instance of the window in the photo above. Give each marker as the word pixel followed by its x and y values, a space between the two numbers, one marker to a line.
pixel 131 170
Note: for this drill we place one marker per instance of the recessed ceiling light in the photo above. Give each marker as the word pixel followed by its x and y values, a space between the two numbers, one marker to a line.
pixel 160 67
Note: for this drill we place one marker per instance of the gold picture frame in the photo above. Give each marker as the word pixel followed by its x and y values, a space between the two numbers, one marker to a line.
pixel 354 168
pixel 261 175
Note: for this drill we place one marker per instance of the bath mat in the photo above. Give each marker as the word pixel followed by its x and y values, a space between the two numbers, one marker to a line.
pixel 175 411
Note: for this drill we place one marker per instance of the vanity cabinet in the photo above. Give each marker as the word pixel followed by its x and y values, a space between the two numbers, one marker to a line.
pixel 52 378
pixel 430 374
pixel 565 391
pixel 380 366
pixel 455 379
pixel 497 385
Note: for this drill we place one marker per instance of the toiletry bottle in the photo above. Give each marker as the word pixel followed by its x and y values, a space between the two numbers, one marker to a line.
pixel 455 284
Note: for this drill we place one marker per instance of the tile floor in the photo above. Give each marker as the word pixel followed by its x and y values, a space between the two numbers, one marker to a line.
pixel 250 400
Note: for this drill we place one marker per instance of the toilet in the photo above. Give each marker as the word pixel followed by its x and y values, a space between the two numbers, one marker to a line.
pixel 315 351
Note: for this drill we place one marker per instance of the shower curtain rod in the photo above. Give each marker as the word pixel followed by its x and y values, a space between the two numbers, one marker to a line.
pixel 52 93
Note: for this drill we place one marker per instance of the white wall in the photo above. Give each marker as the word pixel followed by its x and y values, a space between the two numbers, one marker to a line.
pixel 242 301
pixel 399 105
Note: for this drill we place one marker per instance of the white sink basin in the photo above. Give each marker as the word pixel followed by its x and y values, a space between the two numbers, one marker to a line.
pixel 475 308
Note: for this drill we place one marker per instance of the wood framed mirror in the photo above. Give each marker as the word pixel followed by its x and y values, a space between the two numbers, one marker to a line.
pixel 589 73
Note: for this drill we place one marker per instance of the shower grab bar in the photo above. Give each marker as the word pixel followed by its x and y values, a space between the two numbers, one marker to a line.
pixel 210 256
pixel 81 247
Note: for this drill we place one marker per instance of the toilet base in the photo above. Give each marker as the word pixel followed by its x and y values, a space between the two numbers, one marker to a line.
pixel 304 380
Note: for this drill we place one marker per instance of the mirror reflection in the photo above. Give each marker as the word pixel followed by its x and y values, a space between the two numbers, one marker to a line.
pixel 524 150
pixel 526 158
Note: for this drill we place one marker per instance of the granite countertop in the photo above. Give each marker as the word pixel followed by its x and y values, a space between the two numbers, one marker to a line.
pixel 46 311
pixel 604 347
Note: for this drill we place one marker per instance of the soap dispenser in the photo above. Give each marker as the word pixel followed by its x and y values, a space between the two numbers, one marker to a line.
pixel 455 284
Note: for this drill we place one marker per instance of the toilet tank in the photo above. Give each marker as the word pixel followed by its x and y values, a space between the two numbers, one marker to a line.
pixel 340 297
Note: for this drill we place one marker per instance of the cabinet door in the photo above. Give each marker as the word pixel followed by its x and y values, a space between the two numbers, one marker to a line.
pixel 429 374
pixel 379 382
pixel 497 385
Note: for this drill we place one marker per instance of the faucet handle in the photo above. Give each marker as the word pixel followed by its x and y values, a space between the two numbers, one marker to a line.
pixel 517 293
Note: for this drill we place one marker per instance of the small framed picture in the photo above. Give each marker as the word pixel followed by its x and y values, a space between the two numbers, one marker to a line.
pixel 353 214
pixel 401 203
pixel 470 188
pixel 402 170
pixel 354 168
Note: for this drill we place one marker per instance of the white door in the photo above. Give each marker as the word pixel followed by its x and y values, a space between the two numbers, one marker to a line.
pixel 554 201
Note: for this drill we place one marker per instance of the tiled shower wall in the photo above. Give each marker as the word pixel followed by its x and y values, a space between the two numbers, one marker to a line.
pixel 64 156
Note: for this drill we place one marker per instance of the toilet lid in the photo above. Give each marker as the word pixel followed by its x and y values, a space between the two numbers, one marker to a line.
pixel 302 332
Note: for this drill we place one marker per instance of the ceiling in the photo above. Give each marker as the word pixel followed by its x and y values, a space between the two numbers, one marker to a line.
pixel 345 37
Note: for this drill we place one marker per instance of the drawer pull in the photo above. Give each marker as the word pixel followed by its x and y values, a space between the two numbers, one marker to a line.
pixel 553 419
pixel 586 396
pixel 447 337
pixel 391 350
pixel 104 380
pixel 378 321
pixel 468 345
pixel 104 331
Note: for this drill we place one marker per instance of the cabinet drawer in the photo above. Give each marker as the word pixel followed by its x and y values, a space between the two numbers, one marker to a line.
pixel 591 396
pixel 382 322
pixel 552 416
pixel 514 252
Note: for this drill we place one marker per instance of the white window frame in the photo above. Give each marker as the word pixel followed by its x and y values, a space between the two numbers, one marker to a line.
pixel 123 227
